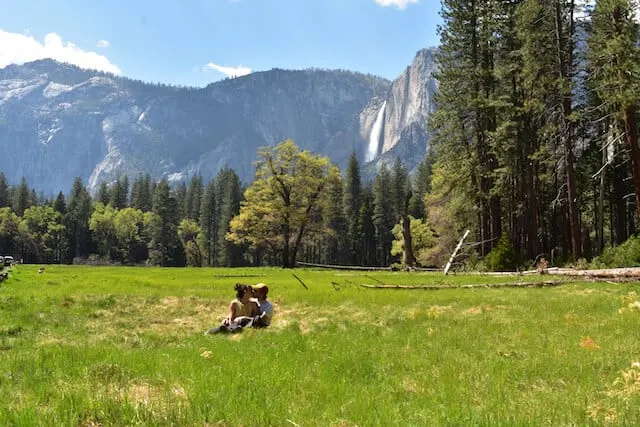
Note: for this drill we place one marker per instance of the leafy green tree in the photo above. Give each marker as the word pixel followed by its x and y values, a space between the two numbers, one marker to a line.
pixel 282 201
pixel 189 233
pixel 15 238
pixel 44 224
pixel 129 227
pixel 422 239
pixel 103 229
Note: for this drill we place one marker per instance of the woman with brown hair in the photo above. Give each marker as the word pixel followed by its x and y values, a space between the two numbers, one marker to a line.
pixel 241 311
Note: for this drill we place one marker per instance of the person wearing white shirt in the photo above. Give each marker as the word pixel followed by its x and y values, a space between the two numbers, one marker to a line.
pixel 266 308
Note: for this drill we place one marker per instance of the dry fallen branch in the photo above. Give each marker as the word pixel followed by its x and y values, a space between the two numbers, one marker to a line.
pixel 301 282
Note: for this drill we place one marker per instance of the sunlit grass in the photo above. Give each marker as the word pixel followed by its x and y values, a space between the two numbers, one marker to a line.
pixel 114 346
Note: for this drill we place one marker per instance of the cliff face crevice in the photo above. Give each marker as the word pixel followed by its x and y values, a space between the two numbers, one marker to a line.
pixel 58 121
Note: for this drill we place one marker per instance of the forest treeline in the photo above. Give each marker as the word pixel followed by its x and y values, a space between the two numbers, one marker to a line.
pixel 299 207
pixel 534 148
pixel 536 133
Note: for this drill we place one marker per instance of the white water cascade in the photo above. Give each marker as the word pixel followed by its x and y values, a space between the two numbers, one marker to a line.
pixel 376 133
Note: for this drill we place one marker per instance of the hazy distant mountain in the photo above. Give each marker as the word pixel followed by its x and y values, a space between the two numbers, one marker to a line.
pixel 58 121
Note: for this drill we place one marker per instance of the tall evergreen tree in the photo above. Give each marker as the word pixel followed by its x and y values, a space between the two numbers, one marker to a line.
pixel 165 232
pixel 119 193
pixel 60 204
pixel 210 225
pixel 21 197
pixel 384 214
pixel 367 229
pixel 103 195
pixel 352 203
pixel 180 194
pixel 547 30
pixel 335 222
pixel 142 193
pixel 5 195
pixel 194 198
pixel 76 221
pixel 614 62
pixel 228 196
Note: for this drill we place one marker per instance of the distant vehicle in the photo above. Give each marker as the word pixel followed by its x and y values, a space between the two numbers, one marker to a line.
pixel 8 260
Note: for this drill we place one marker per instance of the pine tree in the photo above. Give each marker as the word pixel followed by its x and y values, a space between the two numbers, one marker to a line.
pixel 335 222
pixel 60 204
pixel 165 232
pixel 228 196
pixel 141 193
pixel 547 29
pixel 384 214
pixel 180 194
pixel 401 188
pixel 209 224
pixel 367 229
pixel 194 198
pixel 614 62
pixel 103 195
pixel 21 197
pixel 119 193
pixel 76 221
pixel 5 196
pixel 352 203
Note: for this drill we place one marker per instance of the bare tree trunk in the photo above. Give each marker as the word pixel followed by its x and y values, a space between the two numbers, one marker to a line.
pixel 407 245
pixel 565 47
pixel 631 131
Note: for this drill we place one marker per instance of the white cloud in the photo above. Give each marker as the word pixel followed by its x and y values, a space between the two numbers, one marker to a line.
pixel 102 44
pixel 400 4
pixel 228 71
pixel 18 48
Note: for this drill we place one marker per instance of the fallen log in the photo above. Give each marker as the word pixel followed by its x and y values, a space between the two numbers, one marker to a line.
pixel 548 283
pixel 343 267
pixel 609 273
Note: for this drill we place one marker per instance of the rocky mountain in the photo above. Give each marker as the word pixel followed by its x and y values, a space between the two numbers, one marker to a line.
pixel 58 121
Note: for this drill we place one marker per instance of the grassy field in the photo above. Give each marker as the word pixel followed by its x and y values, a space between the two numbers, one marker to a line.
pixel 120 346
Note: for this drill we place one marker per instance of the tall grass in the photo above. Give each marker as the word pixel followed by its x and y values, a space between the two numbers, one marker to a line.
pixel 119 346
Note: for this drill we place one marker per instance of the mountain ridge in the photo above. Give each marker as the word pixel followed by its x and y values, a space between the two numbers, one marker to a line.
pixel 70 122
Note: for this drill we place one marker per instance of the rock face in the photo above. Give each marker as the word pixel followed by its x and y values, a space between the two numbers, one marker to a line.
pixel 408 104
pixel 58 121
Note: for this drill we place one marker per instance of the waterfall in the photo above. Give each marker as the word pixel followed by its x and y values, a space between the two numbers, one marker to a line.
pixel 376 134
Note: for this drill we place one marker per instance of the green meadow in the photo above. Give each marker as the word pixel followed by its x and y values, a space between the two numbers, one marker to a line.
pixel 85 346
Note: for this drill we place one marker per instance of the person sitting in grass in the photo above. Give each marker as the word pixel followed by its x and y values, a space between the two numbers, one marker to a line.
pixel 263 320
pixel 242 311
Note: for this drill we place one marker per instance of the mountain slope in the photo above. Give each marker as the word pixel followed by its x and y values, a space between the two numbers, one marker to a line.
pixel 58 121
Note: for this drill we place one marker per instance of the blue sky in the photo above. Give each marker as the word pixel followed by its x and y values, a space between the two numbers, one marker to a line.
pixel 194 42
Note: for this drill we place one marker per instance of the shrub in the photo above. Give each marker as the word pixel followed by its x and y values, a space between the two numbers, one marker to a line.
pixel 502 257
pixel 626 254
